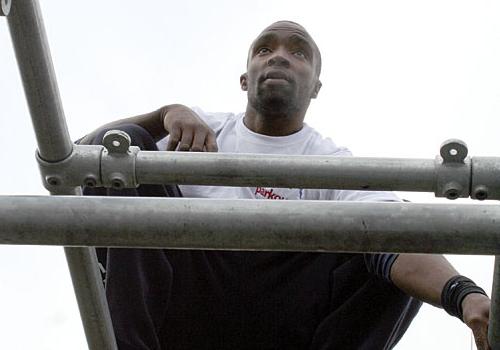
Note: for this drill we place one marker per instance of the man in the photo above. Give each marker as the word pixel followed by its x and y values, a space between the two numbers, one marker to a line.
pixel 220 300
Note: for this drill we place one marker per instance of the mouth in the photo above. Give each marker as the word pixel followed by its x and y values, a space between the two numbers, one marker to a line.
pixel 276 75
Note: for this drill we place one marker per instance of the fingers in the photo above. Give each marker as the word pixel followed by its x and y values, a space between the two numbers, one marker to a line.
pixel 211 143
pixel 198 141
pixel 481 337
pixel 195 141
pixel 186 140
pixel 187 132
pixel 175 137
pixel 476 310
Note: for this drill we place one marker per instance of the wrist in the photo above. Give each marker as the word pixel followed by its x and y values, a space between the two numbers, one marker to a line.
pixel 476 308
pixel 168 111
pixel 472 299
pixel 459 291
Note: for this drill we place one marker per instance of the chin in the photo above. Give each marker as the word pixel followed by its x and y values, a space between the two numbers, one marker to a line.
pixel 275 105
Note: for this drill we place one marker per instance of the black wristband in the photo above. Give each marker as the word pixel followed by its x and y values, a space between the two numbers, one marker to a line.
pixel 454 292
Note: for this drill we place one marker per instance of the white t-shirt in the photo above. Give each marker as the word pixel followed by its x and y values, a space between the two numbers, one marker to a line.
pixel 234 137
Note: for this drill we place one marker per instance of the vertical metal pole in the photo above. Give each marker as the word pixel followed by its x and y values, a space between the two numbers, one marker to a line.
pixel 494 324
pixel 54 144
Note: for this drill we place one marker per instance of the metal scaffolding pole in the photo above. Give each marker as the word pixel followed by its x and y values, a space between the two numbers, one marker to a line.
pixel 123 166
pixel 250 224
pixel 230 224
pixel 286 171
pixel 40 86
pixel 494 324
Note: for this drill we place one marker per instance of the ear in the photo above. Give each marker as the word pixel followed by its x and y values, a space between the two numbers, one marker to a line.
pixel 244 82
pixel 316 89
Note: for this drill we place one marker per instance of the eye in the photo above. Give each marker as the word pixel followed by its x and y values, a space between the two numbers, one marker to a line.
pixel 263 50
pixel 299 53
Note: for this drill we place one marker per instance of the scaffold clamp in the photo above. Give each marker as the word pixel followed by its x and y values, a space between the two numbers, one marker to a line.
pixel 453 170
pixel 118 161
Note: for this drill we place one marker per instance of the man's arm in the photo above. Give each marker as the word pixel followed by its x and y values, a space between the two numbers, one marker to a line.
pixel 424 276
pixel 187 131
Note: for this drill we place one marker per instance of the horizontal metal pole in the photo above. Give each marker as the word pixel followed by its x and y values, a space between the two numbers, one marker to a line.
pixel 286 171
pixel 250 224
pixel 494 324
pixel 39 80
pixel 98 166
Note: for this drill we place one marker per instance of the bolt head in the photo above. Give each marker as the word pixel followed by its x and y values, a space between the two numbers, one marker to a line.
pixel 117 183
pixel 452 190
pixel 480 193
pixel 90 182
pixel 53 181
pixel 451 194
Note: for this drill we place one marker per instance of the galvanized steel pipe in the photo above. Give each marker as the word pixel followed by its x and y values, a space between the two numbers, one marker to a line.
pixel 286 171
pixel 250 224
pixel 88 285
pixel 54 145
pixel 39 79
pixel 494 324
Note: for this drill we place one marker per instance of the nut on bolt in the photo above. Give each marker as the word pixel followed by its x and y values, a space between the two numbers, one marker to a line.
pixel 53 180
pixel 117 181
pixel 452 190
pixel 90 181
pixel 480 192
pixel 117 184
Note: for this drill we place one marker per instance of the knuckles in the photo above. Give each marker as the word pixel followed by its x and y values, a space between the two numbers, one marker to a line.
pixel 186 123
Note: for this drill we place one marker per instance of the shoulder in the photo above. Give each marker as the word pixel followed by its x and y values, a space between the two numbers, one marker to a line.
pixel 317 144
pixel 215 120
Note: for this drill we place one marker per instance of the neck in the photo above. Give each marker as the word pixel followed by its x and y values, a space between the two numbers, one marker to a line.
pixel 273 124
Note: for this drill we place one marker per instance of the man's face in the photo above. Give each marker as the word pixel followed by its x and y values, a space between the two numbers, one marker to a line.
pixel 283 70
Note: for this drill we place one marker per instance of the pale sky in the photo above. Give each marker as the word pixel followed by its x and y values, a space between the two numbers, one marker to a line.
pixel 399 78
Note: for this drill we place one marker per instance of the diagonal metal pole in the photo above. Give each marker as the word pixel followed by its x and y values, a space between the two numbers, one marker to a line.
pixel 494 324
pixel 54 144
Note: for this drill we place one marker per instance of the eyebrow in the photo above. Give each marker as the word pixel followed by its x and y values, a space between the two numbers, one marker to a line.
pixel 294 38
pixel 302 41
pixel 264 38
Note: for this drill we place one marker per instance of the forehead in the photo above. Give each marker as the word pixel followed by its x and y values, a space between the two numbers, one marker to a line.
pixel 289 31
pixel 285 30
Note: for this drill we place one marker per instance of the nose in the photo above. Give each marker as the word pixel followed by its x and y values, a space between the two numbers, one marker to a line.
pixel 278 58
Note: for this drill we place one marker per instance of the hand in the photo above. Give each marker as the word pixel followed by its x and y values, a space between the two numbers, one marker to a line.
pixel 188 131
pixel 476 311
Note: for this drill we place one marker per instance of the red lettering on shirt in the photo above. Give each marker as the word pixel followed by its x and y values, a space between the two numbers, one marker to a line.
pixel 269 194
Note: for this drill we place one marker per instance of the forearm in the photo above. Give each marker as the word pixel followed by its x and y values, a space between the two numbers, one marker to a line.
pixel 422 276
pixel 153 122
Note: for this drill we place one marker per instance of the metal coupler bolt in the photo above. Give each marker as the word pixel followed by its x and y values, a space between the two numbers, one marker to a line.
pixel 452 190
pixel 90 181
pixel 117 183
pixel 480 193
pixel 53 180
